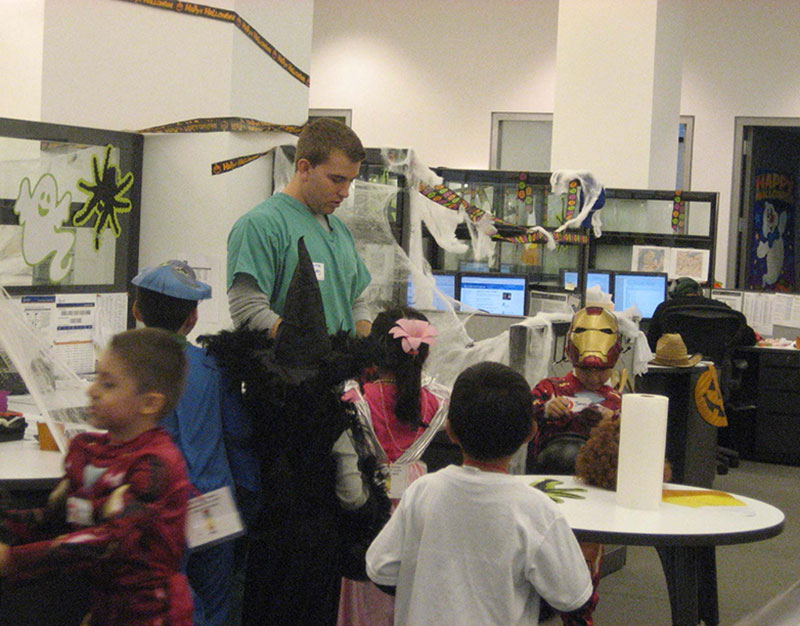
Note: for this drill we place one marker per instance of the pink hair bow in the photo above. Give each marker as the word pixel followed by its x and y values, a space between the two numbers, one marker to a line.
pixel 414 333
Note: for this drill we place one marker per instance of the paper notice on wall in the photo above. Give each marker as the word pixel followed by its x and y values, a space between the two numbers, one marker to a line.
pixel 757 308
pixel 786 310
pixel 650 259
pixel 690 262
pixel 40 311
pixel 733 299
pixel 74 330
pixel 111 318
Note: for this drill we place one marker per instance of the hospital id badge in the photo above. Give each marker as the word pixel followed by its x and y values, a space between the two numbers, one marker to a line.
pixel 80 511
pixel 319 270
pixel 398 479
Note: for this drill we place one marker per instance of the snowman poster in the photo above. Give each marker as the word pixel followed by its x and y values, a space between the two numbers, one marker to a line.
pixel 772 256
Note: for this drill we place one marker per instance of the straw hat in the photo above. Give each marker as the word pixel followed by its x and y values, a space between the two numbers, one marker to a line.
pixel 671 351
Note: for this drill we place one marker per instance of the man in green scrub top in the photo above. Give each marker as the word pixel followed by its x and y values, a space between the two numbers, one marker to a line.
pixel 262 245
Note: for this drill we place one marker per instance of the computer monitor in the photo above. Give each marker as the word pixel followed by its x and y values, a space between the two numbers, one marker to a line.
pixel 473 266
pixel 644 289
pixel 446 283
pixel 603 278
pixel 498 294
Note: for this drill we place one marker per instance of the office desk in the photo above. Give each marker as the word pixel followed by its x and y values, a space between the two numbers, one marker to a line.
pixel 772 383
pixel 23 466
pixel 684 537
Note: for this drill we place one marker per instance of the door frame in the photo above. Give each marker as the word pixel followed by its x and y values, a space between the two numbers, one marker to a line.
pixel 740 187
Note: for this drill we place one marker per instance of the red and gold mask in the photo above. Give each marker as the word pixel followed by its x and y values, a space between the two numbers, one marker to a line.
pixel 593 339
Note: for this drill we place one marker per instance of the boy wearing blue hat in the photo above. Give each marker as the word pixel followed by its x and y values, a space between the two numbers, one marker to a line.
pixel 209 425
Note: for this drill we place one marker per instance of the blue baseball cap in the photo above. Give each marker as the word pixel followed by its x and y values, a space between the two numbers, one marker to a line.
pixel 173 278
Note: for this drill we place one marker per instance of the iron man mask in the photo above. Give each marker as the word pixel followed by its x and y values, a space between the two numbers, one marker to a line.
pixel 593 339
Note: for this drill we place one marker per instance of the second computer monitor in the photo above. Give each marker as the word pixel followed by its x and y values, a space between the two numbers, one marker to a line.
pixel 498 294
pixel 569 279
pixel 644 289
pixel 446 283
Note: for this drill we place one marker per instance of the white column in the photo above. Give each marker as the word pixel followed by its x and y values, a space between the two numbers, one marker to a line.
pixel 617 93
pixel 21 34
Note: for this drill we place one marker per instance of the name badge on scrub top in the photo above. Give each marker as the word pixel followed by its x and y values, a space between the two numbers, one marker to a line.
pixel 80 511
pixel 319 270
pixel 399 474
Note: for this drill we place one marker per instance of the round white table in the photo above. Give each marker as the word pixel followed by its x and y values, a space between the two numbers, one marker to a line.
pixel 684 536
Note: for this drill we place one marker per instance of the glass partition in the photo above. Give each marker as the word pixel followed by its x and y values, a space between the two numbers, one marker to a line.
pixel 69 208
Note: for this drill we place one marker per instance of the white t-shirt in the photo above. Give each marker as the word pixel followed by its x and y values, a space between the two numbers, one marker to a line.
pixel 467 547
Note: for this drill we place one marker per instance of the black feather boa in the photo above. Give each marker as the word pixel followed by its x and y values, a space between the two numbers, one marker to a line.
pixel 297 416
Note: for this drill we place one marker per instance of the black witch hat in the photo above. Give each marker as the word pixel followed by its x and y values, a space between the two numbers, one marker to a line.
pixel 302 352
pixel 302 342
pixel 291 388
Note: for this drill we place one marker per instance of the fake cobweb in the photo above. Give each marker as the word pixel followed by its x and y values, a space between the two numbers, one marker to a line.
pixel 57 391
pixel 396 274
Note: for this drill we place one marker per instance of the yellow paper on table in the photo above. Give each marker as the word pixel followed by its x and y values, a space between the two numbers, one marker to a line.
pixel 699 497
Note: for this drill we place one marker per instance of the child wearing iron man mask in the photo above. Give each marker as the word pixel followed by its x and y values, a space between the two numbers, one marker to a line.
pixel 578 401
pixel 574 404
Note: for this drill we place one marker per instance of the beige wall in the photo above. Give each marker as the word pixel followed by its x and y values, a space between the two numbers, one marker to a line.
pixel 429 74
pixel 121 66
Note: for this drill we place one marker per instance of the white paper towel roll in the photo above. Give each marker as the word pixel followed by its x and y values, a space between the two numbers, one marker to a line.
pixel 642 443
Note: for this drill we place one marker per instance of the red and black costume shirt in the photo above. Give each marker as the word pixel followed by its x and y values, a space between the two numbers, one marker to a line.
pixel 582 420
pixel 120 513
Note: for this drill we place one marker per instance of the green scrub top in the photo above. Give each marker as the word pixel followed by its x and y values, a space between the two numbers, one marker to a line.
pixel 263 243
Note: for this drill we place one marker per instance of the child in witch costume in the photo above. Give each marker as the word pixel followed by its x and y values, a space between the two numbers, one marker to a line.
pixel 400 415
pixel 120 510
pixel 569 407
pixel 309 467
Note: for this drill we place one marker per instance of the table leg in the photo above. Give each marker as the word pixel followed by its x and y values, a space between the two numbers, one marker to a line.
pixel 707 589
pixel 691 576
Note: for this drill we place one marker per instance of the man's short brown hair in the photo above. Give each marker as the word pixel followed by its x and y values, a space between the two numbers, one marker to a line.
pixel 155 359
pixel 322 136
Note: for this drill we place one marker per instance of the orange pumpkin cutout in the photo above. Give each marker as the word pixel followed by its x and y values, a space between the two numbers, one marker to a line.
pixel 708 398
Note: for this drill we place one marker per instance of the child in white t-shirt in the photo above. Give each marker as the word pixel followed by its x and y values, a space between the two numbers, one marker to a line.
pixel 472 545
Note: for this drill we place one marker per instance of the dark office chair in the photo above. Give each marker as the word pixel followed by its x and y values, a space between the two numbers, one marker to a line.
pixel 714 333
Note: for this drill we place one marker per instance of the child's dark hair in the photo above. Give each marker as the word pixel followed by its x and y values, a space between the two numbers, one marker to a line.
pixel 491 410
pixel 159 310
pixel 155 359
pixel 407 368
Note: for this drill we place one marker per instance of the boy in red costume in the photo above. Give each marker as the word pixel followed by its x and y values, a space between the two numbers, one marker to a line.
pixel 575 404
pixel 120 510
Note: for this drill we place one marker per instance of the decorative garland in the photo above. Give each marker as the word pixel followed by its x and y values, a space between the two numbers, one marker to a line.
pixel 232 17
pixel 446 197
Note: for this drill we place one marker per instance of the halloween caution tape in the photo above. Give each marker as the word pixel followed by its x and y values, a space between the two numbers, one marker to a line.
pixel 220 167
pixel 226 124
pixel 223 124
pixel 232 17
